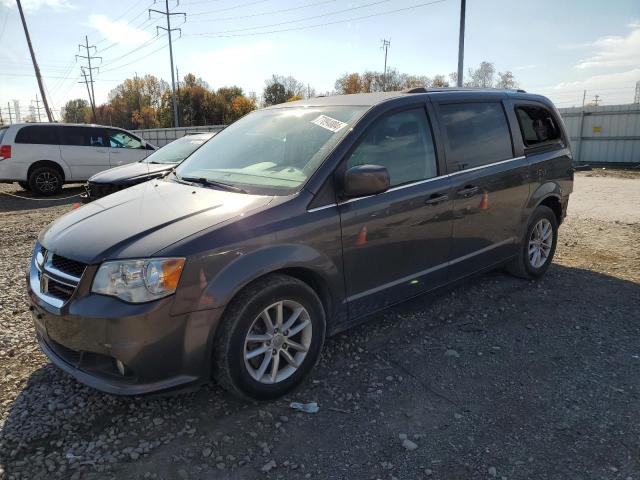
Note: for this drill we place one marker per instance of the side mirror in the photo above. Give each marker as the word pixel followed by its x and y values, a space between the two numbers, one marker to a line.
pixel 363 180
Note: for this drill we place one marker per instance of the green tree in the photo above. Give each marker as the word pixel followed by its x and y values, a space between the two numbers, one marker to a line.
pixel 76 111
pixel 279 89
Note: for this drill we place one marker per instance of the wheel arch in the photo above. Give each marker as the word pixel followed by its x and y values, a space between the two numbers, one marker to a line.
pixel 548 194
pixel 47 163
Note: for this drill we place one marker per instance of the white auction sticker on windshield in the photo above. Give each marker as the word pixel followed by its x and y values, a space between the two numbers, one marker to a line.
pixel 329 123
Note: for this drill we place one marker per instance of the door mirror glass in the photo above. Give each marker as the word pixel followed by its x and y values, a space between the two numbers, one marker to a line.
pixel 363 180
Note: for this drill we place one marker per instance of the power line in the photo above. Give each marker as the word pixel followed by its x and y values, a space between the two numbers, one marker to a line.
pixel 140 58
pixel 313 17
pixel 262 14
pixel 362 17
pixel 168 14
pixel 136 49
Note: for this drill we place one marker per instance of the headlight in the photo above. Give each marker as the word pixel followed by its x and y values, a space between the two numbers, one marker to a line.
pixel 138 281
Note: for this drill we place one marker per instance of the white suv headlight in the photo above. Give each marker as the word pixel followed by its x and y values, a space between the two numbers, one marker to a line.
pixel 138 281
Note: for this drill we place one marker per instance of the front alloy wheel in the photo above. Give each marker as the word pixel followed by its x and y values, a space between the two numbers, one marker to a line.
pixel 269 338
pixel 278 342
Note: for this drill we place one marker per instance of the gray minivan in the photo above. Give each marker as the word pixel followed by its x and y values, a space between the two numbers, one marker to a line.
pixel 294 223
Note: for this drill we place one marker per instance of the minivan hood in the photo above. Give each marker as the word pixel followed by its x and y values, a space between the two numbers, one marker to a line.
pixel 143 219
pixel 132 171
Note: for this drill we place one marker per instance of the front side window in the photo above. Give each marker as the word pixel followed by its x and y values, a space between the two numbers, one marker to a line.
pixel 271 151
pixel 402 143
pixel 120 139
pixel 83 137
pixel 38 134
pixel 537 126
pixel 477 134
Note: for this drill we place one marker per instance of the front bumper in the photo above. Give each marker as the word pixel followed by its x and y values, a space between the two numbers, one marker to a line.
pixel 159 351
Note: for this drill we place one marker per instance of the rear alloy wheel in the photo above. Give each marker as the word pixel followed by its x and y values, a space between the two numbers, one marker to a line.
pixel 269 338
pixel 45 181
pixel 538 245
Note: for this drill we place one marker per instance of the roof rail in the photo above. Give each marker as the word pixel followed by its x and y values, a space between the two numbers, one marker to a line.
pixel 415 90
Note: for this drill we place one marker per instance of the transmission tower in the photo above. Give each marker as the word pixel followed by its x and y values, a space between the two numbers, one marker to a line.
pixel 168 29
pixel 91 99
pixel 37 107
pixel 88 57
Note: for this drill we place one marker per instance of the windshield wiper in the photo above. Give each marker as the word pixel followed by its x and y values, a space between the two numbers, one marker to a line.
pixel 212 183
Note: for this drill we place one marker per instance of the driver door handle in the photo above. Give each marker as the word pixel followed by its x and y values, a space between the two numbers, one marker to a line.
pixel 468 191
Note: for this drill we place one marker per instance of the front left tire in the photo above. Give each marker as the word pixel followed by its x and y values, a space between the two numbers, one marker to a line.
pixel 269 339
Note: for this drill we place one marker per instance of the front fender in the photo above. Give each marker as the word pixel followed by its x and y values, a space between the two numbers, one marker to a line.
pixel 216 278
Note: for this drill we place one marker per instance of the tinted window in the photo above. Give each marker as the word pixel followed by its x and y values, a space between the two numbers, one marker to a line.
pixel 83 137
pixel 38 134
pixel 402 143
pixel 537 125
pixel 178 150
pixel 120 139
pixel 477 134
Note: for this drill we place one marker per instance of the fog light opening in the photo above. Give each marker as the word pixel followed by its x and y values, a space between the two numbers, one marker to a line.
pixel 121 368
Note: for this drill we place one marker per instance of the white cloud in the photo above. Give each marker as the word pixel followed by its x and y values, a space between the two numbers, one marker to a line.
pixel 626 79
pixel 118 31
pixel 529 66
pixel 233 65
pixel 614 50
pixel 33 5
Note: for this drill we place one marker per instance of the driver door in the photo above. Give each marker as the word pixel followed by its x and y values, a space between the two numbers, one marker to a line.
pixel 396 243
pixel 125 148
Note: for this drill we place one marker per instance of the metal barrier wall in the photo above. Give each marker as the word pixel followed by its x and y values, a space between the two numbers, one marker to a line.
pixel 161 136
pixel 606 135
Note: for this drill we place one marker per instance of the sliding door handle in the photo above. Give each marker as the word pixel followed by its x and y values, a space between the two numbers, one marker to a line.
pixel 436 198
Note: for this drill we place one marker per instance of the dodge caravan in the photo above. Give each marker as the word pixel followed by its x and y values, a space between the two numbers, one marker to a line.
pixel 292 224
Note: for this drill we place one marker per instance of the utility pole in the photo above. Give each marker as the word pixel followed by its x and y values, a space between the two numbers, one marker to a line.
pixel 88 57
pixel 168 14
pixel 35 64
pixel 86 82
pixel 38 107
pixel 1 119
pixel 463 8
pixel 636 97
pixel 9 106
pixel 385 46
pixel 596 99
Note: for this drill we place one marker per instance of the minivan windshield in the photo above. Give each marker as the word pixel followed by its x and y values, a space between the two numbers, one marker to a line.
pixel 178 150
pixel 271 151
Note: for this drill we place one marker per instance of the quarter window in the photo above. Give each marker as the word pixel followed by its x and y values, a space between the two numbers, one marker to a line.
pixel 477 134
pixel 537 126
pixel 120 139
pixel 83 137
pixel 402 143
pixel 38 134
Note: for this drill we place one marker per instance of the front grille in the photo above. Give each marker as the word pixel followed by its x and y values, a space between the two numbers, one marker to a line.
pixel 99 190
pixel 68 266
pixel 59 276
pixel 59 290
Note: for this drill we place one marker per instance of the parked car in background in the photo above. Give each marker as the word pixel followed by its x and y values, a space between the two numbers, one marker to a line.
pixel 154 166
pixel 42 157
pixel 293 223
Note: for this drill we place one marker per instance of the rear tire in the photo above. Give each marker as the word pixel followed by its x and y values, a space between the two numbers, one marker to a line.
pixel 538 245
pixel 25 186
pixel 253 360
pixel 46 181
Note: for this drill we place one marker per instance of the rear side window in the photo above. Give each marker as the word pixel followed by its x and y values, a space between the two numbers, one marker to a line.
pixel 402 143
pixel 38 134
pixel 537 125
pixel 477 134
pixel 83 137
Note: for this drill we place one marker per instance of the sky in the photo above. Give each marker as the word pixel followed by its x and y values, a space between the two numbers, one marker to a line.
pixel 558 48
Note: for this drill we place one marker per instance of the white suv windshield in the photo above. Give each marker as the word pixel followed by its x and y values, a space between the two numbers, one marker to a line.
pixel 275 150
pixel 178 150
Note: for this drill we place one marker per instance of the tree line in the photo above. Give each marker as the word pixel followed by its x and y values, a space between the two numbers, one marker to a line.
pixel 145 102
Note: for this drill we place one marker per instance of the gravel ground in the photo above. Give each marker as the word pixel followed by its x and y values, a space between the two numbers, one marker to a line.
pixel 494 378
